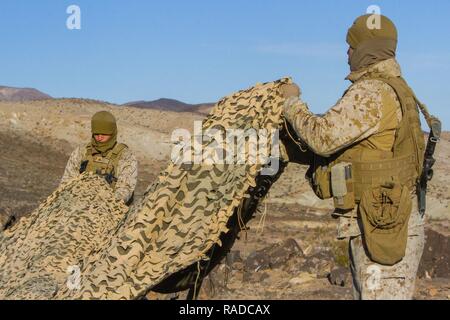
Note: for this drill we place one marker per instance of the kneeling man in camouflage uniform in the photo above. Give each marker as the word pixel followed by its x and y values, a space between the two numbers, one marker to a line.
pixel 106 157
pixel 369 155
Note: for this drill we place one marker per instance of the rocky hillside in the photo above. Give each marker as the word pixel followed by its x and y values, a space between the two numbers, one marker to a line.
pixel 21 94
pixel 147 132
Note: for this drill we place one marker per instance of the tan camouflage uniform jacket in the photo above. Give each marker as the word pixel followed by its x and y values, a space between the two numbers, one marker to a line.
pixel 127 171
pixel 357 116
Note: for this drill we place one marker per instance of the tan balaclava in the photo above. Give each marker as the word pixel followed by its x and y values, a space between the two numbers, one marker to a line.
pixel 103 122
pixel 371 44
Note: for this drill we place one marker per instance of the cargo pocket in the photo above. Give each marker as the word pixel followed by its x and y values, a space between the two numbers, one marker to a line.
pixel 385 213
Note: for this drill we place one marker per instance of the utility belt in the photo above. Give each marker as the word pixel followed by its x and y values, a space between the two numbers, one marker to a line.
pixel 346 180
pixel 381 192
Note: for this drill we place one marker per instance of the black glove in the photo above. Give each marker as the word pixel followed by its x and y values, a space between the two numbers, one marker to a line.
pixel 110 178
pixel 83 166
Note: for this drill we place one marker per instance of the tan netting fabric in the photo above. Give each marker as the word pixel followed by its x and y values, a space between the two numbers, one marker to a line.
pixel 76 220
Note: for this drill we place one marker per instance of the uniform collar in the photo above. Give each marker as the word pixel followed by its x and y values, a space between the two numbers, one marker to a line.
pixel 389 67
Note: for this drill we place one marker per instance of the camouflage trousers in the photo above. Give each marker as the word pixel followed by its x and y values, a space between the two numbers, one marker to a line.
pixel 372 281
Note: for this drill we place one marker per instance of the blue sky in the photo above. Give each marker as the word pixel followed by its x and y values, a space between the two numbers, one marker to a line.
pixel 199 51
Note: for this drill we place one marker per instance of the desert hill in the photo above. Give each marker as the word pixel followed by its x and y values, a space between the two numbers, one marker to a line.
pixel 21 94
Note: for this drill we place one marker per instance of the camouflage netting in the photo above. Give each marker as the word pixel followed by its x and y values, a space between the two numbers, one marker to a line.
pixel 36 253
pixel 181 218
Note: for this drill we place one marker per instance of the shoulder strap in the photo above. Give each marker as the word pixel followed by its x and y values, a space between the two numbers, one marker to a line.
pixel 433 122
pixel 401 88
pixel 119 148
pixel 88 147
pixel 87 152
pixel 114 156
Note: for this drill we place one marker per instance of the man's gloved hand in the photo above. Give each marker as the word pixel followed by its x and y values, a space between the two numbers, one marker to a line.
pixel 110 178
pixel 290 90
pixel 293 103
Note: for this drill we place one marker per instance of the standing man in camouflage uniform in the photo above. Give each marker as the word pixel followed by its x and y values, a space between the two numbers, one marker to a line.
pixel 370 150
pixel 105 156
